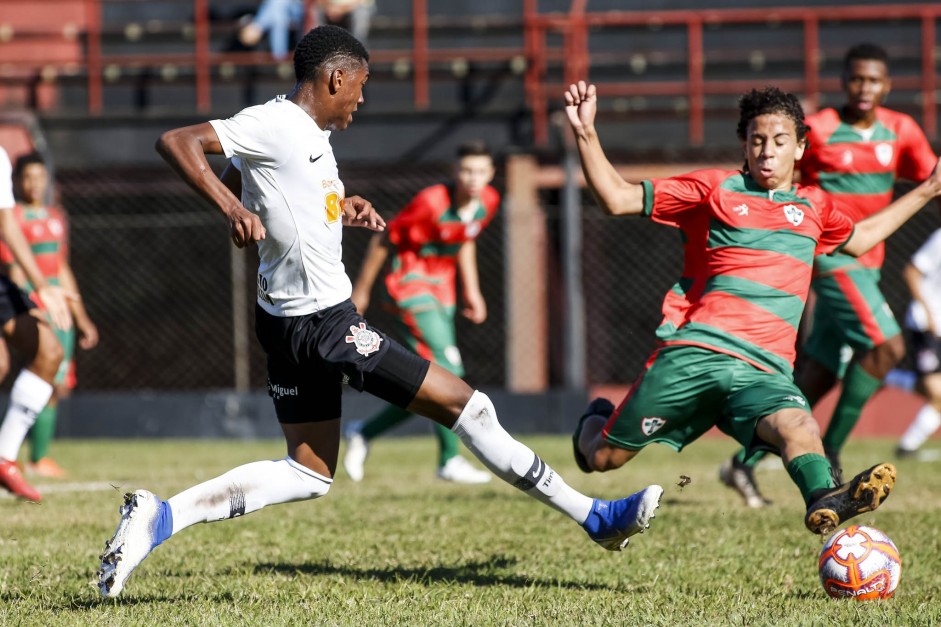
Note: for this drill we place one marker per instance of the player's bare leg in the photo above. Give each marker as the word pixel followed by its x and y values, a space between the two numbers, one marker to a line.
pixel 797 435
pixel 28 335
pixel 147 521
pixel 470 414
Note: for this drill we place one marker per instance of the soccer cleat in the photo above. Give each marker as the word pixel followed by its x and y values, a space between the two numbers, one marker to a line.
pixel 133 540
pixel 459 470
pixel 741 478
pixel 612 523
pixel 47 468
pixel 12 479
pixel 836 466
pixel 357 448
pixel 598 407
pixel 864 493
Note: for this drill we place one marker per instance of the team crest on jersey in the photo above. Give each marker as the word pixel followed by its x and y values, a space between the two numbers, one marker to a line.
pixel 884 153
pixel 366 340
pixel 847 157
pixel 652 425
pixel 472 230
pixel 794 215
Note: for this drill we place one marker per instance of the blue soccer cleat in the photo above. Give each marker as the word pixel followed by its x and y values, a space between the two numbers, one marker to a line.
pixel 612 523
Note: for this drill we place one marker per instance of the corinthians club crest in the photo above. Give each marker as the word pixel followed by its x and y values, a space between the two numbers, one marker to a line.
pixel 366 340
pixel 794 215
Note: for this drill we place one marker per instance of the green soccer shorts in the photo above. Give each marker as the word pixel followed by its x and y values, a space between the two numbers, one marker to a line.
pixel 687 390
pixel 426 326
pixel 850 314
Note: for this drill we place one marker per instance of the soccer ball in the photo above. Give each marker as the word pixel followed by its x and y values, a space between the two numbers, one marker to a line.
pixel 860 562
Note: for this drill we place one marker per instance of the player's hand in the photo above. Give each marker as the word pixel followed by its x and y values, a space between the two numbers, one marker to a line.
pixel 360 300
pixel 245 227
pixel 475 307
pixel 581 104
pixel 55 300
pixel 357 211
pixel 87 333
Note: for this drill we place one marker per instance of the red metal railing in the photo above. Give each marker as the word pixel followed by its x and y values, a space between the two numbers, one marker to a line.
pixel 546 63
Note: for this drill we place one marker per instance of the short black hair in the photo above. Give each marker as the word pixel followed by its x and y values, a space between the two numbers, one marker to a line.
pixel 323 45
pixel 865 52
pixel 474 148
pixel 770 100
pixel 28 159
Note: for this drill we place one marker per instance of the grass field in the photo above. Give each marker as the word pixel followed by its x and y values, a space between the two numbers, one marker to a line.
pixel 404 548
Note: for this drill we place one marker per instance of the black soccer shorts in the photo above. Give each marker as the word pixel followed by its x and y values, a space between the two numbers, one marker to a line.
pixel 13 300
pixel 310 358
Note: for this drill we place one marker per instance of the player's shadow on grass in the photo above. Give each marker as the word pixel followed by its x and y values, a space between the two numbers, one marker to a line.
pixel 478 573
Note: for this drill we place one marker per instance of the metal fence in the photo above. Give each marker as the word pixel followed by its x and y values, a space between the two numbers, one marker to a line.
pixel 156 269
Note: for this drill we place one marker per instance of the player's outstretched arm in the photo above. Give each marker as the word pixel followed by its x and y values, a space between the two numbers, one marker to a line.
pixel 615 195
pixel 376 254
pixel 185 149
pixel 881 225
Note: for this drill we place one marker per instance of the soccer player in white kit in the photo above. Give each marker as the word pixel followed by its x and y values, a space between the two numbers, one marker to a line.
pixel 294 206
pixel 923 276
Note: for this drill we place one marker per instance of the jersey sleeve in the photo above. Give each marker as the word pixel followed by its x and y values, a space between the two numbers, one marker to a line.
pixel 916 158
pixel 251 134
pixel 674 201
pixel 928 258
pixel 415 224
pixel 490 198
pixel 6 181
pixel 837 227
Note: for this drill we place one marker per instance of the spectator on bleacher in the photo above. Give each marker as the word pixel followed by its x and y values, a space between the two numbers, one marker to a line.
pixel 29 333
pixel 45 228
pixel 277 19
pixel 353 15
pixel 433 242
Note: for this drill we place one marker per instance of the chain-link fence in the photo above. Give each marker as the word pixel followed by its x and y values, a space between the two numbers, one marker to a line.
pixel 156 270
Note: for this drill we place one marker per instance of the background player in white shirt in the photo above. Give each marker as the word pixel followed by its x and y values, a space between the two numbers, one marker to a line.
pixel 293 206
pixel 28 333
pixel 923 277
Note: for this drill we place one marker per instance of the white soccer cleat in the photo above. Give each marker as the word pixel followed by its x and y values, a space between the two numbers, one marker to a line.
pixel 133 540
pixel 459 470
pixel 357 448
pixel 612 523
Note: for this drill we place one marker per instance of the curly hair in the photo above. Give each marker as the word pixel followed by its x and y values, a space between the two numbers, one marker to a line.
pixel 30 158
pixel 865 52
pixel 326 45
pixel 770 100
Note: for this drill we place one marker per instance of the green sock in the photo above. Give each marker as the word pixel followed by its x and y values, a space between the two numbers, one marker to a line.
pixel 858 388
pixel 810 472
pixel 752 461
pixel 42 432
pixel 389 417
pixel 447 444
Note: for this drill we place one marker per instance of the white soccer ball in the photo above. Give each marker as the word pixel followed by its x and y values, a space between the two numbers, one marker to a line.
pixel 861 563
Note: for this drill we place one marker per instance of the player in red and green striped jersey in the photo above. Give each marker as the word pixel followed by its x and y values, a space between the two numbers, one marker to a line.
pixel 45 228
pixel 434 242
pixel 856 153
pixel 729 363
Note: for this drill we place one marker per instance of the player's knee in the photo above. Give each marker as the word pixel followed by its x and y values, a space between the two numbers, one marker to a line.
pixel 49 352
pixel 892 351
pixel 605 457
pixel 312 485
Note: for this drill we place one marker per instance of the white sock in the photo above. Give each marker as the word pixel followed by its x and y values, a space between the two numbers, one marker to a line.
pixel 926 422
pixel 246 489
pixel 29 395
pixel 514 462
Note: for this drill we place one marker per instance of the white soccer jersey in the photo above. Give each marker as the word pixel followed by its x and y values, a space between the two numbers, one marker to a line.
pixel 290 179
pixel 928 261
pixel 6 181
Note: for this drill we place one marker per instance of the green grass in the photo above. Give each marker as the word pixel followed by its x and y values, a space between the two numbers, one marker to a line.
pixel 404 548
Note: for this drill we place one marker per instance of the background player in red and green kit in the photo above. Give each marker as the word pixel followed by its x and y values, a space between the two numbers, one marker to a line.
pixel 856 154
pixel 729 363
pixel 45 228
pixel 433 241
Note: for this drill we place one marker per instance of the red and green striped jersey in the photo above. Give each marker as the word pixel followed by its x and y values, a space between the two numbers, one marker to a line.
pixel 861 168
pixel 46 231
pixel 755 249
pixel 427 235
